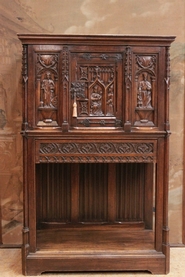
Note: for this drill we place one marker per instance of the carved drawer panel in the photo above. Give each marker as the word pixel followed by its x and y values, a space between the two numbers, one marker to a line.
pixel 95 152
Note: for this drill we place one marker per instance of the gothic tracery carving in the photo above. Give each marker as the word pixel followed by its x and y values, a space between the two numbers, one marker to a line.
pixel 96 88
pixel 47 62
pixel 145 62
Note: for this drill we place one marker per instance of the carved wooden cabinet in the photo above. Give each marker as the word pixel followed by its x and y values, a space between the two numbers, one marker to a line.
pixel 95 141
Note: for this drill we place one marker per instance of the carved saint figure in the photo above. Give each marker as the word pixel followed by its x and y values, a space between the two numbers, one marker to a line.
pixel 144 95
pixel 96 101
pixel 48 87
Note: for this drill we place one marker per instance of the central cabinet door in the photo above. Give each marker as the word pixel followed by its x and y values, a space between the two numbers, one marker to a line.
pixel 94 194
pixel 96 86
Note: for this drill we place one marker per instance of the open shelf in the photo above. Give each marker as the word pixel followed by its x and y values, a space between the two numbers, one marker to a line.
pixel 75 240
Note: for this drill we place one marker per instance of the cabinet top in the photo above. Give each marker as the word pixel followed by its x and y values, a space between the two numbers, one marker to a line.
pixel 94 39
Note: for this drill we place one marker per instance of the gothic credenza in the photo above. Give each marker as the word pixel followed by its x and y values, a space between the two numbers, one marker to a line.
pixel 95 142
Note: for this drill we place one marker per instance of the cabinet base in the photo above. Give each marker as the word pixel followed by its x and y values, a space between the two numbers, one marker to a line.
pixel 38 263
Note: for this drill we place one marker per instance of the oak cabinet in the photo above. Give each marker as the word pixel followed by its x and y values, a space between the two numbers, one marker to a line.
pixel 95 141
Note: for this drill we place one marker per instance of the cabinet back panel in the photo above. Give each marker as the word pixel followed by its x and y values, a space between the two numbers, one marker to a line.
pixel 93 187
pixel 97 186
pixel 53 192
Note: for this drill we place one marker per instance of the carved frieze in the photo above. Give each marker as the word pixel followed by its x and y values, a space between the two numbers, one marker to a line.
pixel 103 56
pixel 96 159
pixel 114 152
pixel 97 148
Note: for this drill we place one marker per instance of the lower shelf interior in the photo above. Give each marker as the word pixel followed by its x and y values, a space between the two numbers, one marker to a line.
pixel 95 207
pixel 77 239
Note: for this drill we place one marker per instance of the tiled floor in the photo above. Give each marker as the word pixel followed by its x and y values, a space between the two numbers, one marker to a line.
pixel 10 266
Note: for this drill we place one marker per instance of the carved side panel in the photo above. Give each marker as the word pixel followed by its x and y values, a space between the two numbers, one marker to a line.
pixel 94 90
pixel 145 89
pixel 47 89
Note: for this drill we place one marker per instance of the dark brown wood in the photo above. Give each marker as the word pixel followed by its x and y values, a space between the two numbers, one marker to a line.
pixel 95 142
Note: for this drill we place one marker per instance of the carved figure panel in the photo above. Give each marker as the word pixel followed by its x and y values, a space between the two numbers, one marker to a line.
pixel 145 78
pixel 47 77
pixel 144 92
pixel 48 97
